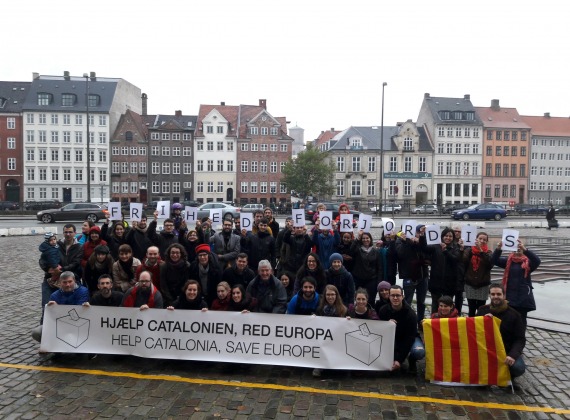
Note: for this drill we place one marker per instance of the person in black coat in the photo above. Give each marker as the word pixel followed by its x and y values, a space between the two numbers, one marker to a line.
pixel 260 245
pixel 163 239
pixel 207 272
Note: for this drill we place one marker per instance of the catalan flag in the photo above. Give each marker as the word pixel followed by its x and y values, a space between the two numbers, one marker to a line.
pixel 465 350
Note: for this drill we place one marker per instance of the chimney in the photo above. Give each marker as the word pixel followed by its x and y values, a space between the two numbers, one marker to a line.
pixel 547 115
pixel 144 99
pixel 426 95
pixel 332 128
pixel 495 104
pixel 93 76
pixel 35 76
pixel 263 103
pixel 222 103
pixel 178 113
pixel 66 75
pixel 467 97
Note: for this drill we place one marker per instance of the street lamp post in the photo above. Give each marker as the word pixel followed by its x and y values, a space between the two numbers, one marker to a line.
pixel 382 149
pixel 88 145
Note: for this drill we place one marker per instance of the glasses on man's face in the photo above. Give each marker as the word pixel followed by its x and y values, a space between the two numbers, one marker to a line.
pixel 168 225
pixel 144 281
pixel 396 296
pixel 311 262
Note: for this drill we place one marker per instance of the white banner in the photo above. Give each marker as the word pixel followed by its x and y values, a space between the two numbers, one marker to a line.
pixel 268 339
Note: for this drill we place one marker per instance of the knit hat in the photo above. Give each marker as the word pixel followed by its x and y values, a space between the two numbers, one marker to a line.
pixel 418 228
pixel 384 285
pixel 335 257
pixel 48 236
pixel 101 249
pixel 202 248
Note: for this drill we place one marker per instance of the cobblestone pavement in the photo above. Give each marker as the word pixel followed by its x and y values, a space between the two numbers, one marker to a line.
pixel 71 386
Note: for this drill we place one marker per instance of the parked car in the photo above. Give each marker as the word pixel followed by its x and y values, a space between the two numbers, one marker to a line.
pixel 388 208
pixel 190 203
pixel 76 212
pixel 204 209
pixel 42 205
pixel 251 207
pixel 9 205
pixel 449 208
pixel 533 210
pixel 486 211
pixel 311 209
pixel 425 209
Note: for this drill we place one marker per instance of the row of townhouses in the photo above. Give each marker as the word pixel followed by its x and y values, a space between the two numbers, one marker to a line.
pixel 70 138
pixel 454 153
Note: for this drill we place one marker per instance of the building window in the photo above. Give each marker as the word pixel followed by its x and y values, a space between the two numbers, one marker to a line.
pixel 273 168
pixel 244 186
pixel 11 164
pixel 186 151
pixel 498 135
pixel 371 163
pixel 210 165
pixel 498 150
pixel 371 187
pixel 94 100
pixel 220 145
pixel 155 168
pixel 407 187
pixel 165 136
pixel 155 187
pixel 142 167
pixel 230 165
pixel 340 163
pixel 154 136
pixel 523 150
pixel 68 99
pixel 488 169
pixel 244 147
pixel 253 131
pixel 355 164
pixel 392 187
pixel 264 131
pixel 166 187
pixel 210 129
pixel 220 166
pixel 263 167
pixel 497 169
pixel 393 164
pixel 263 188
pixel 44 99
pixel 422 164
pixel 355 188
pixel 79 174
pixel 284 147
pixel 408 164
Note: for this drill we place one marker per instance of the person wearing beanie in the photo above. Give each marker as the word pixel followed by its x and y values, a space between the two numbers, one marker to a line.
pixel 50 259
pixel 337 275
pixel 100 262
pixel 383 294
pixel 207 271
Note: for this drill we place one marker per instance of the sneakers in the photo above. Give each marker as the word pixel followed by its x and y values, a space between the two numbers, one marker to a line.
pixel 317 373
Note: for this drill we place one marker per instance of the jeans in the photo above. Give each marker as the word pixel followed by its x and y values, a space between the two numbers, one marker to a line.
pixel 420 288
pixel 418 350
pixel 518 368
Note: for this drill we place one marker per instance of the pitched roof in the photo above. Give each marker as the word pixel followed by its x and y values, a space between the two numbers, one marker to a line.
pixel 325 136
pixel 437 104
pixel 498 117
pixel 13 95
pixel 371 138
pixel 229 112
pixel 178 122
pixel 548 126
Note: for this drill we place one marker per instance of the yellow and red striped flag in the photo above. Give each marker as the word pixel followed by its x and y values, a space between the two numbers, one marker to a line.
pixel 466 350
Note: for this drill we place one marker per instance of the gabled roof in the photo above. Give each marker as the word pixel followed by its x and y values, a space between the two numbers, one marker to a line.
pixel 230 113
pixel 137 121
pixel 13 95
pixel 437 104
pixel 371 138
pixel 548 126
pixel 59 85
pixel 498 117
pixel 325 136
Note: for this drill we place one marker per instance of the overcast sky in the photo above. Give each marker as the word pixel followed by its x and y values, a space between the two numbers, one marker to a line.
pixel 321 64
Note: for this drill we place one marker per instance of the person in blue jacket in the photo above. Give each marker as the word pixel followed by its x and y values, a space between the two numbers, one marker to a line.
pixel 306 301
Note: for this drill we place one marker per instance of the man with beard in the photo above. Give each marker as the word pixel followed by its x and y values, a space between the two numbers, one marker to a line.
pixel 207 271
pixel 143 295
pixel 512 328
pixel 138 239
pixel 165 238
pixel 306 301
pixel 257 217
pixel 152 264
pixel 300 245
pixel 268 290
pixel 239 273
pixel 272 224
pixel 225 244
pixel 407 343
pixel 106 296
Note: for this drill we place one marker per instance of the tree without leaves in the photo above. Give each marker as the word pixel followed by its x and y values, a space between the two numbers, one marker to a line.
pixel 309 173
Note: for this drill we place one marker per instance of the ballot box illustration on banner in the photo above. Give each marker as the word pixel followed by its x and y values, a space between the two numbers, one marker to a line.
pixel 72 329
pixel 363 345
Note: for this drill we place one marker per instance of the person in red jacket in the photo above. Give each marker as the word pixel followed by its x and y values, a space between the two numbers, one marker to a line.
pixel 90 245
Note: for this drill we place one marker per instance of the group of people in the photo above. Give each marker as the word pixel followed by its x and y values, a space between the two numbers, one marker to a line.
pixel 293 270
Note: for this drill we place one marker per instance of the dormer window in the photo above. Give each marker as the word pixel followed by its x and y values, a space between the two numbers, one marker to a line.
pixel 45 98
pixel 408 144
pixel 3 102
pixel 470 116
pixel 94 100
pixel 444 115
pixel 129 136
pixel 68 99
pixel 356 142
pixel 457 115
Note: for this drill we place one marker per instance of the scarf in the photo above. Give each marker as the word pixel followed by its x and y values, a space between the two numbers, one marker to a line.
pixel 132 297
pixel 203 274
pixel 366 250
pixel 128 268
pixel 522 260
pixel 498 309
pixel 475 259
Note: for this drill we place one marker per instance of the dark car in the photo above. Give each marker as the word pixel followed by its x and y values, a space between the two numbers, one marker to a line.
pixel 565 209
pixel 311 209
pixel 534 210
pixel 76 212
pixel 485 211
pixel 9 205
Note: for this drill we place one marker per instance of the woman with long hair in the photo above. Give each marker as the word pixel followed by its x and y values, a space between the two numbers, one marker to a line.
pixel 312 267
pixel 241 301
pixel 124 269
pixel 223 298
pixel 367 269
pixel 360 309
pixel 191 298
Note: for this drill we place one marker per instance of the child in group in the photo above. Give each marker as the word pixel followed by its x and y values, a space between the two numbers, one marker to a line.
pixel 51 258
pixel 446 308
